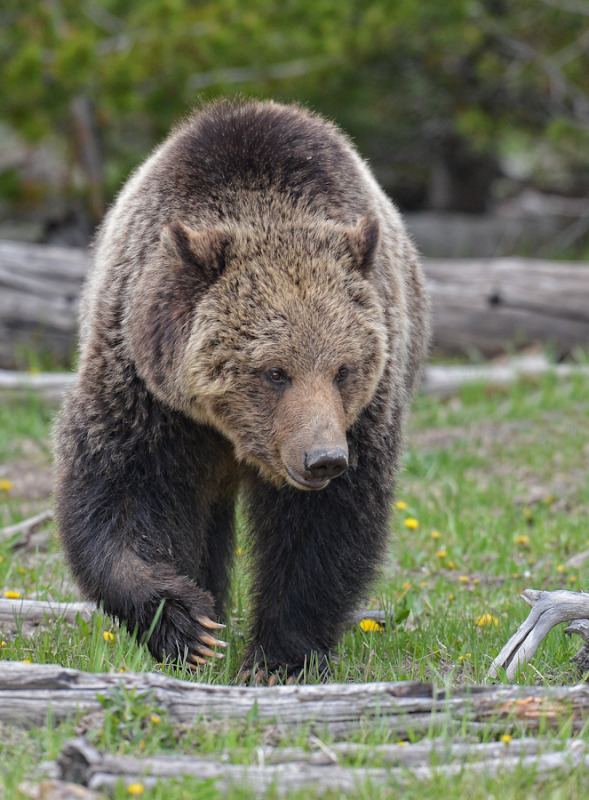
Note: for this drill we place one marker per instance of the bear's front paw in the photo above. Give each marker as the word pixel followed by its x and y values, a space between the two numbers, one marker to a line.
pixel 183 631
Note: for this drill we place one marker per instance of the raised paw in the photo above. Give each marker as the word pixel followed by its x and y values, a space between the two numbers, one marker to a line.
pixel 183 627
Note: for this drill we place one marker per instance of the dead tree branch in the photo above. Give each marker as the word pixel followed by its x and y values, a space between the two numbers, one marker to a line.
pixel 548 609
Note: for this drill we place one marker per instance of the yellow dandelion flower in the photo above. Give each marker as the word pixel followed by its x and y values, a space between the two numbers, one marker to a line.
pixel 560 568
pixel 3 643
pixel 401 505
pixel 465 657
pixel 572 579
pixel 522 539
pixel 436 534
pixel 11 594
pixel 108 636
pixel 451 564
pixel 155 718
pixel 411 523
pixel 135 789
pixel 370 625
pixel 402 744
pixel 441 554
pixel 21 570
pixel 26 661
pixel 406 585
pixel 6 485
pixel 464 579
pixel 506 738
pixel 423 585
pixel 486 619
pixel 476 580
pixel 450 597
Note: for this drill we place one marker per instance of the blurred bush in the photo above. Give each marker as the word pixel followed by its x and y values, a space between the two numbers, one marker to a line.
pixel 454 103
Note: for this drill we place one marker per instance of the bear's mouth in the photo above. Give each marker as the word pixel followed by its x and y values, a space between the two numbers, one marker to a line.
pixel 307 483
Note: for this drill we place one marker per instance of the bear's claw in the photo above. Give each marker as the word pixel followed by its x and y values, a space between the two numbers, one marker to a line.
pixel 210 640
pixel 207 622
pixel 263 678
pixel 206 651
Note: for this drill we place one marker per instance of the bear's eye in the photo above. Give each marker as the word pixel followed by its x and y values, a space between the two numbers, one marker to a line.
pixel 276 376
pixel 342 374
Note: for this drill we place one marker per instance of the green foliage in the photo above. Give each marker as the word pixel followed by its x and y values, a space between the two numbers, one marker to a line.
pixel 403 77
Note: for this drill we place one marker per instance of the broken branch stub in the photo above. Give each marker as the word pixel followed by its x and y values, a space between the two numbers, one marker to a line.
pixel 548 610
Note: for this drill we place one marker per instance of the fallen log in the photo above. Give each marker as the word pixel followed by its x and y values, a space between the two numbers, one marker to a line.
pixel 482 305
pixel 441 380
pixel 39 294
pixel 81 762
pixel 490 306
pixel 37 612
pixel 33 694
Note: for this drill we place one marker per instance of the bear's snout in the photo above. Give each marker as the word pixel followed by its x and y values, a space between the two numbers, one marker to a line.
pixel 323 463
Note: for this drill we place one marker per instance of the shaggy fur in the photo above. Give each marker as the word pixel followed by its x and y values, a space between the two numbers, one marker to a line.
pixel 254 321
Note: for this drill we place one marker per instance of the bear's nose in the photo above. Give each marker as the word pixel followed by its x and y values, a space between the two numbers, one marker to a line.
pixel 325 463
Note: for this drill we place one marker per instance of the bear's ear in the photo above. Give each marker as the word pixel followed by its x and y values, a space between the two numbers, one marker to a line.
pixel 203 251
pixel 361 242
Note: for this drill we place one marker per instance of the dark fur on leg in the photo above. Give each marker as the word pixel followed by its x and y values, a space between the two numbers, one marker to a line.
pixel 316 554
pixel 139 525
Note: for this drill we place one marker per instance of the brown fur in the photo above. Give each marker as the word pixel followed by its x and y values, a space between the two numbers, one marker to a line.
pixel 255 300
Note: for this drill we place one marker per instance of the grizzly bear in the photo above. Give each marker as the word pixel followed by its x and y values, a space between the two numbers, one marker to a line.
pixel 253 325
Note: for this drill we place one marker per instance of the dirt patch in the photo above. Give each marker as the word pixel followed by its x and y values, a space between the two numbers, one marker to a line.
pixel 479 435
pixel 29 481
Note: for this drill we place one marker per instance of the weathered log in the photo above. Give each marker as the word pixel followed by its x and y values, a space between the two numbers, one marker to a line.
pixel 492 305
pixel 49 386
pixel 36 693
pixel 37 612
pixel 81 762
pixel 548 610
pixel 39 293
pixel 441 380
pixel 484 305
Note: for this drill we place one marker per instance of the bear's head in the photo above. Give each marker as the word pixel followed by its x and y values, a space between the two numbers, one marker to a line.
pixel 287 340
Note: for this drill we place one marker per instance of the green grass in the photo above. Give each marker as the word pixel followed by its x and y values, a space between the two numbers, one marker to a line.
pixel 497 480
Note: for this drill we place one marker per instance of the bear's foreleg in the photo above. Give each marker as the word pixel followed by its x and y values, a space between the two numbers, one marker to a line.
pixel 137 504
pixel 316 554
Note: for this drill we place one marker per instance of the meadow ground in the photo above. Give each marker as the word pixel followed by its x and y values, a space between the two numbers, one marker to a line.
pixel 493 499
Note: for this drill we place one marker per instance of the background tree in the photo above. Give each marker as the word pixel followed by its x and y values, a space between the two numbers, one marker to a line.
pixel 437 95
